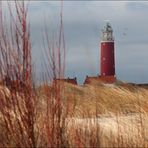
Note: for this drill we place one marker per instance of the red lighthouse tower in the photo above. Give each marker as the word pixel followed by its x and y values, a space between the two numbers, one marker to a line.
pixel 107 67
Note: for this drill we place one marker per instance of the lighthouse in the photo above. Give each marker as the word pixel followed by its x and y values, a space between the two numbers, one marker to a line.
pixel 107 64
pixel 107 60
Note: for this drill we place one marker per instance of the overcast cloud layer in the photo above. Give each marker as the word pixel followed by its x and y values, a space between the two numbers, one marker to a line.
pixel 83 21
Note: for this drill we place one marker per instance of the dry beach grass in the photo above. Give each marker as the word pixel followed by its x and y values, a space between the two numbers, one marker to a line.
pixel 105 115
pixel 95 115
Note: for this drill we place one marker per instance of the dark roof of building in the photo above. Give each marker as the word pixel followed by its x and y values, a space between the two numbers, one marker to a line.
pixel 104 79
pixel 68 80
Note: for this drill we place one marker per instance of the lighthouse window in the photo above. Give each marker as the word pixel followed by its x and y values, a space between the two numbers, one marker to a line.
pixel 103 58
pixel 104 74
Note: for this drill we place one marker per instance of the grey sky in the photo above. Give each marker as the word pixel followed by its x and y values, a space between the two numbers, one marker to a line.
pixel 83 21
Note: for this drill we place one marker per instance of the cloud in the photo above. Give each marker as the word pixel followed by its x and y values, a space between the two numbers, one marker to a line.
pixel 138 7
pixel 83 21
